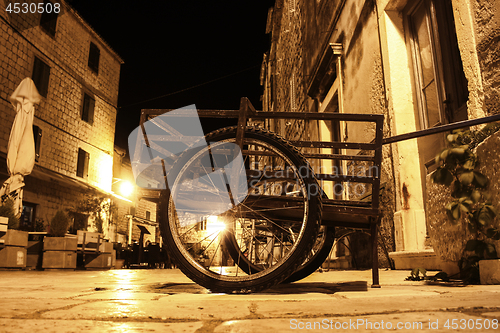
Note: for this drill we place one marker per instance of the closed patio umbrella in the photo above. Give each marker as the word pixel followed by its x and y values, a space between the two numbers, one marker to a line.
pixel 21 147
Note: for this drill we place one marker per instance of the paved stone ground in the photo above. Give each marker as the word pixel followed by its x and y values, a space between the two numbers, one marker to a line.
pixel 166 301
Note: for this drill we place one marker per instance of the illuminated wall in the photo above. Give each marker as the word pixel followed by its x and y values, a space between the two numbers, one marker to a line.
pixel 55 184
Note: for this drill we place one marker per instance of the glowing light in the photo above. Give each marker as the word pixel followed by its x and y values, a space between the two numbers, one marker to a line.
pixel 126 188
pixel 215 225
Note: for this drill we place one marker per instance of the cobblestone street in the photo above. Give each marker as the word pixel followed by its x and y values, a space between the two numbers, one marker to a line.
pixel 166 301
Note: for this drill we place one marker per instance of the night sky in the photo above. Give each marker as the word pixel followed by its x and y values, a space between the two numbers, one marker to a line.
pixel 169 46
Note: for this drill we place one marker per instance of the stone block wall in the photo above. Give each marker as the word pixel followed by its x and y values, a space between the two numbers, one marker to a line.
pixel 55 185
pixel 299 39
pixel 488 153
pixel 487 16
pixel 284 86
pixel 59 113
pixel 449 239
pixel 144 206
pixel 121 220
pixel 51 196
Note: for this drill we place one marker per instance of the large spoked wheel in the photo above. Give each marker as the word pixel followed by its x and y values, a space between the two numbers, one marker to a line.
pixel 271 220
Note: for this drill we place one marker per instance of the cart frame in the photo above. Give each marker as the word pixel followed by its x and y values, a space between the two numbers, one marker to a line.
pixel 336 212
pixel 356 214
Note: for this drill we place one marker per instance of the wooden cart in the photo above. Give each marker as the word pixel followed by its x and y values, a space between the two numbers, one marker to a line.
pixel 283 228
pixel 239 227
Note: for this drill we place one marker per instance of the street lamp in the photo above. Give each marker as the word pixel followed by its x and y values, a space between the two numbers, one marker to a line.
pixel 215 226
pixel 126 188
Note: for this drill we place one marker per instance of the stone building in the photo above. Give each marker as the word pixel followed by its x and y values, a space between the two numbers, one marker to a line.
pixel 134 208
pixel 77 73
pixel 421 63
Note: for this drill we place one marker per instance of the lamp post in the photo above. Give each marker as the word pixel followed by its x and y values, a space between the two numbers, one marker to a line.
pixel 129 238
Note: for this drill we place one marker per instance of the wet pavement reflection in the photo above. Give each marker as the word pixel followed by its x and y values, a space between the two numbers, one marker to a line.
pixel 164 300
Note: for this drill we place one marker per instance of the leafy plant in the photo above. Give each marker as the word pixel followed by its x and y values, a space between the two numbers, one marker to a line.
pixel 474 138
pixel 8 210
pixel 59 224
pixel 99 207
pixel 458 168
pixel 415 276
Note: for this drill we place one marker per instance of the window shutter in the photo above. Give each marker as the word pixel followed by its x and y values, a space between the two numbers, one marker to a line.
pixel 91 111
pixel 45 78
pixel 80 163
pixel 85 109
pixel 82 167
pixel 37 135
pixel 94 55
pixel 88 109
pixel 86 165
pixel 41 73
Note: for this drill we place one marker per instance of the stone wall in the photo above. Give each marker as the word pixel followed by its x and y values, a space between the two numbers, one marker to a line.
pixel 51 196
pixel 55 185
pixel 487 15
pixel 300 38
pixel 449 239
pixel 121 220
pixel 488 154
pixel 284 85
pixel 122 172
pixel 59 113
pixel 144 206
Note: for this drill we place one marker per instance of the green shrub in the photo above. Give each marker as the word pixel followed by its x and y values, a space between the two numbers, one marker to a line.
pixel 474 138
pixel 8 210
pixel 59 224
pixel 471 204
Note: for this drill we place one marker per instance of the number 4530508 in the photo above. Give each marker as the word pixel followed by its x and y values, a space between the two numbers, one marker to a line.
pixel 472 324
pixel 33 8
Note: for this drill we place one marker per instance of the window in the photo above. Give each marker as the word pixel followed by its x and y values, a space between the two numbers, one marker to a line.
pixel 148 215
pixel 440 86
pixel 330 99
pixel 94 55
pixel 82 167
pixel 48 21
pixel 80 222
pixel 440 83
pixel 37 135
pixel 202 225
pixel 27 220
pixel 88 109
pixel 41 73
